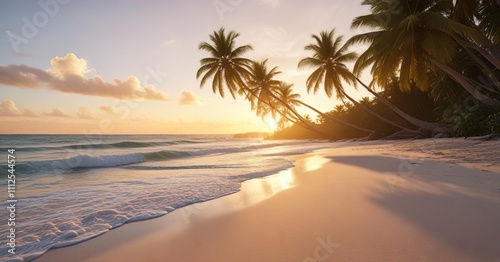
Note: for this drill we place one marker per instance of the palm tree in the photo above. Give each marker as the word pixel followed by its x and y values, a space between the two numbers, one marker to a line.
pixel 286 94
pixel 261 90
pixel 225 65
pixel 481 15
pixel 261 85
pixel 230 70
pixel 414 40
pixel 329 59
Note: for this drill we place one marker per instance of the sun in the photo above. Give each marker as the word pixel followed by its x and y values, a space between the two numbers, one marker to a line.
pixel 271 123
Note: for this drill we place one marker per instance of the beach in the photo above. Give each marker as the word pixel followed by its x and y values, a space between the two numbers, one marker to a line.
pixel 365 201
pixel 270 131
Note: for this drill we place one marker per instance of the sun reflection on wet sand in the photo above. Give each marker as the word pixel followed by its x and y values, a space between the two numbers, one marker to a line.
pixel 310 163
pixel 256 190
pixel 259 189
pixel 166 229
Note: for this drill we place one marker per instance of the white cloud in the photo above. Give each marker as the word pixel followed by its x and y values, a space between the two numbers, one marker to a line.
pixel 56 112
pixel 84 113
pixel 9 108
pixel 30 112
pixel 69 65
pixel 189 98
pixel 108 109
pixel 68 75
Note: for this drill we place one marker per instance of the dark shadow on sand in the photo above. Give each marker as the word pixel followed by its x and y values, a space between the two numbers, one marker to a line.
pixel 466 216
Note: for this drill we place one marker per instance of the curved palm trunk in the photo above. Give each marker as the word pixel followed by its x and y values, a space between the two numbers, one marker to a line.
pixel 302 122
pixel 335 119
pixel 464 82
pixel 371 112
pixel 412 120
pixel 490 73
pixel 491 56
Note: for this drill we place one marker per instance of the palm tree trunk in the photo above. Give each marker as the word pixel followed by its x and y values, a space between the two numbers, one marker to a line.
pixel 489 55
pixel 336 119
pixel 412 120
pixel 302 122
pixel 464 82
pixel 485 67
pixel 243 85
pixel 371 112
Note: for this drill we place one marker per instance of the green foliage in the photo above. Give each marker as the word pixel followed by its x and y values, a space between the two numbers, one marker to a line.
pixel 493 122
pixel 346 112
pixel 429 58
pixel 225 65
pixel 476 120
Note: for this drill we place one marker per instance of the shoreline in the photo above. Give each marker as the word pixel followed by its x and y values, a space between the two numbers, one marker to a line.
pixel 183 217
pixel 188 228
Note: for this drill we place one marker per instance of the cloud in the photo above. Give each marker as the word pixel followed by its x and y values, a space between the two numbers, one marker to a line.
pixel 9 108
pixel 84 113
pixel 189 98
pixel 108 109
pixel 56 112
pixel 67 75
pixel 23 76
pixel 70 65
pixel 29 112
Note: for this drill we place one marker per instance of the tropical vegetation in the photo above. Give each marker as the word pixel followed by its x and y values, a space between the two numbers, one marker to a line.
pixel 435 67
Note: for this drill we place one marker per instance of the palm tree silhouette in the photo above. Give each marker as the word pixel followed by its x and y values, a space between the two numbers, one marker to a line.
pixel 261 87
pixel 286 94
pixel 229 69
pixel 416 39
pixel 329 59
pixel 243 76
pixel 262 91
pixel 225 65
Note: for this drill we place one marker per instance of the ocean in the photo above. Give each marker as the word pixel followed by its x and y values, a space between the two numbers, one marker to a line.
pixel 70 188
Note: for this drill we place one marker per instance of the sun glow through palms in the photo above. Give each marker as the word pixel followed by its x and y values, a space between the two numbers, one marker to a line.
pixel 271 123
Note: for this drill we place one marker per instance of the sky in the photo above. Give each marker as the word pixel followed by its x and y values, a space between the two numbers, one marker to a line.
pixel 129 67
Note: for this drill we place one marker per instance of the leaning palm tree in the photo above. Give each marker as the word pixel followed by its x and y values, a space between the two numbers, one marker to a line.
pixel 328 59
pixel 277 109
pixel 481 15
pixel 286 94
pixel 417 38
pixel 229 70
pixel 261 84
pixel 261 89
pixel 226 66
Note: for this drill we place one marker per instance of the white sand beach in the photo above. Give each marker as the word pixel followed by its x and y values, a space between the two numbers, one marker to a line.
pixel 422 200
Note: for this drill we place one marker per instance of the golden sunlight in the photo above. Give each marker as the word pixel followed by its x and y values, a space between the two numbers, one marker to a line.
pixel 271 122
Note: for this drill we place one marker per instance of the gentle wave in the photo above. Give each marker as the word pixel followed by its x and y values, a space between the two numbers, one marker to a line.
pixel 100 161
pixel 84 161
pixel 164 155
pixel 138 167
pixel 118 145
pixel 68 204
